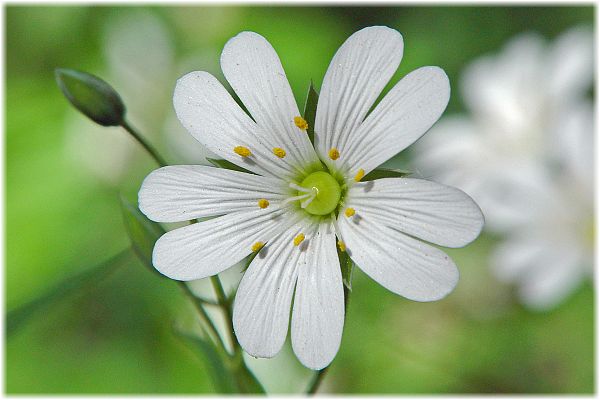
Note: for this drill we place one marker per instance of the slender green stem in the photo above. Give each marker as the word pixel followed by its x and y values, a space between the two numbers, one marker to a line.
pixel 316 381
pixel 145 144
pixel 224 303
pixel 203 314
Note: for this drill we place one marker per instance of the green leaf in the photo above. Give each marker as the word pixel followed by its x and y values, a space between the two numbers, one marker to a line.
pixel 347 267
pixel 142 232
pixel 221 375
pixel 310 111
pixel 385 173
pixel 17 317
pixel 227 165
pixel 247 382
pixel 92 96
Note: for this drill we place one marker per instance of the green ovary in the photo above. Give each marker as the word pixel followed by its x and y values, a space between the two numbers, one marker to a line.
pixel 328 193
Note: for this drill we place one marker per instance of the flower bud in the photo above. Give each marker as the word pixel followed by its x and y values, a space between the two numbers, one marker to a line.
pixel 92 96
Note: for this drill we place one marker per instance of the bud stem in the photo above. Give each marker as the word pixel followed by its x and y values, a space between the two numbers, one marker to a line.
pixel 145 144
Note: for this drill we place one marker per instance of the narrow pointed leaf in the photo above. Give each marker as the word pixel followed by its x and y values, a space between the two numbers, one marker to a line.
pixel 92 96
pixel 227 165
pixel 221 376
pixel 380 173
pixel 347 267
pixel 142 232
pixel 17 317
pixel 310 111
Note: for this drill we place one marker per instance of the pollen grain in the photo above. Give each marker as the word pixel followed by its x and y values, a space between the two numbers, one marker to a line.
pixel 334 154
pixel 263 203
pixel 279 152
pixel 242 151
pixel 359 175
pixel 298 239
pixel 257 246
pixel 301 123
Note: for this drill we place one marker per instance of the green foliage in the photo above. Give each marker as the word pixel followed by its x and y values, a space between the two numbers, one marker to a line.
pixel 221 375
pixel 310 111
pixel 221 163
pixel 142 232
pixel 17 317
pixel 347 267
pixel 92 96
pixel 380 173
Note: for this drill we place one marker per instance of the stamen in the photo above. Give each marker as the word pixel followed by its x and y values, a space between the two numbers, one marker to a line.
pixel 341 245
pixel 298 239
pixel 334 153
pixel 359 175
pixel 300 188
pixel 306 202
pixel 279 152
pixel 263 203
pixel 257 246
pixel 242 151
pixel 301 123
pixel 292 199
pixel 349 212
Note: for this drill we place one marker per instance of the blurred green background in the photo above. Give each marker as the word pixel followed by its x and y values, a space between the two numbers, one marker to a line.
pixel 115 336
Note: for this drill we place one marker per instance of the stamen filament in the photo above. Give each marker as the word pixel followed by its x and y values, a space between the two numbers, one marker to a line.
pixel 292 199
pixel 300 188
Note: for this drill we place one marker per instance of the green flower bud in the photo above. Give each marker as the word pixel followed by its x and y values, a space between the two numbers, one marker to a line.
pixel 92 96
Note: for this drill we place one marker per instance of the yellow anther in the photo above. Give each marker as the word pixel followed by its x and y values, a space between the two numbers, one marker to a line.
pixel 257 246
pixel 242 151
pixel 349 212
pixel 279 152
pixel 301 123
pixel 263 203
pixel 341 245
pixel 298 239
pixel 334 154
pixel 359 175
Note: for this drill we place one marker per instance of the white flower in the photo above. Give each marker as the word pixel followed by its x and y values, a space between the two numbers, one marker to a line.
pixel 517 101
pixel 551 252
pixel 299 198
pixel 525 154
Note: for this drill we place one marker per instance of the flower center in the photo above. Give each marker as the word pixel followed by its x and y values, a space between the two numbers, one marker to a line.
pixel 324 193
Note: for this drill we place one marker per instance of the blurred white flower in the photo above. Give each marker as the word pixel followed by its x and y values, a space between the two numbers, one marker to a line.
pixel 524 153
pixel 141 65
pixel 551 252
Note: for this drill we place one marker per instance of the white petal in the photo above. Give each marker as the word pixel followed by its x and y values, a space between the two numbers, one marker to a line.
pixel 183 192
pixel 430 211
pixel 357 74
pixel 254 71
pixel 262 303
pixel 211 115
pixel 403 116
pixel 399 263
pixel 318 314
pixel 209 247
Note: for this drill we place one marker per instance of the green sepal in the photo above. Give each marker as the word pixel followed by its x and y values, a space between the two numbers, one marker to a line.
pixel 221 163
pixel 310 111
pixel 347 267
pixel 248 260
pixel 384 173
pixel 17 317
pixel 92 96
pixel 142 232
pixel 213 357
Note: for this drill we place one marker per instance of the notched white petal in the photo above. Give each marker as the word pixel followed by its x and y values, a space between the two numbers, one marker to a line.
pixel 262 303
pixel 183 192
pixel 209 247
pixel 431 211
pixel 401 264
pixel 318 314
